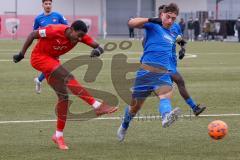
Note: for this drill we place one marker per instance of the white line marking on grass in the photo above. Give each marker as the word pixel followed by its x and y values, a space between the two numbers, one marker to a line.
pixel 88 52
pixel 11 52
pixel 107 53
pixel 118 118
pixel 5 60
pixel 67 59
pixel 190 55
pixel 28 121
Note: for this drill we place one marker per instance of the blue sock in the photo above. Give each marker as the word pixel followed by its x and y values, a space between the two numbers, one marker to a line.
pixel 41 77
pixel 127 118
pixel 191 103
pixel 164 106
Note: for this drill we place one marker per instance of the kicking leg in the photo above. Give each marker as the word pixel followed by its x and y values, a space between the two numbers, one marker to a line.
pixel 130 112
pixel 61 74
pixel 169 116
pixel 178 79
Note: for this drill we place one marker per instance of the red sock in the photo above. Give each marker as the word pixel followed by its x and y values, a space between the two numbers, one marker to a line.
pixel 80 91
pixel 61 111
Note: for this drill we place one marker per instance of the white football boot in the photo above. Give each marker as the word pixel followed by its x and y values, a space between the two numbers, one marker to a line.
pixel 121 133
pixel 38 86
pixel 171 117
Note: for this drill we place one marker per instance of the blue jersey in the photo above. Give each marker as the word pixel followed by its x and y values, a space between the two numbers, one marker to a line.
pixel 175 30
pixel 158 46
pixel 43 20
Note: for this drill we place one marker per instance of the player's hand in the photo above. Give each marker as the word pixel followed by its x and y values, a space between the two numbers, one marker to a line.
pixel 155 20
pixel 182 42
pixel 97 52
pixel 181 53
pixel 18 57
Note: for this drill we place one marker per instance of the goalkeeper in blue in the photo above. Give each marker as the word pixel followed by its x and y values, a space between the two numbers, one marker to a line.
pixel 42 20
pixel 154 74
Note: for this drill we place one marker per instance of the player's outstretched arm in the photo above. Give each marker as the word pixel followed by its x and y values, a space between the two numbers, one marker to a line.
pixel 137 22
pixel 29 40
pixel 18 57
pixel 155 20
pixel 97 51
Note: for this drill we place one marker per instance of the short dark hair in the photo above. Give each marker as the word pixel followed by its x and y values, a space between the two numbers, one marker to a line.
pixel 160 8
pixel 172 7
pixel 46 0
pixel 79 25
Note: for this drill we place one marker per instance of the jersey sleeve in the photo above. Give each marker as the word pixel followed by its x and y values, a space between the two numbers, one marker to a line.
pixel 87 40
pixel 46 32
pixel 35 24
pixel 148 25
pixel 178 29
pixel 62 19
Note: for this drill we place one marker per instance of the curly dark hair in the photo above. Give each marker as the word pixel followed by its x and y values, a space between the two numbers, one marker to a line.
pixel 161 7
pixel 172 7
pixel 46 0
pixel 79 25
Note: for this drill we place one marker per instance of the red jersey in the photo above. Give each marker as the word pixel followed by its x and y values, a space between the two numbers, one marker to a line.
pixel 53 41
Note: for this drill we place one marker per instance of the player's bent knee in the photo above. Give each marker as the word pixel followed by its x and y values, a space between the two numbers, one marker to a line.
pixel 134 109
pixel 63 97
pixel 61 74
pixel 164 91
pixel 166 95
pixel 69 77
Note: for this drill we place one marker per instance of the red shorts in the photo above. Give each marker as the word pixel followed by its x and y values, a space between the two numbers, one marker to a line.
pixel 44 63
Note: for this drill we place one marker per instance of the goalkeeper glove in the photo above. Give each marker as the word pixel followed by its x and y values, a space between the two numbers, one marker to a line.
pixel 182 42
pixel 18 57
pixel 181 53
pixel 97 52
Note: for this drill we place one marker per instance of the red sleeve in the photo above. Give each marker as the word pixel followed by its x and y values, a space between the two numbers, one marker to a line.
pixel 46 32
pixel 86 39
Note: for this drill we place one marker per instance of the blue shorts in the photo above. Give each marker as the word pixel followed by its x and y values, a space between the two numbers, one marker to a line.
pixel 173 65
pixel 147 81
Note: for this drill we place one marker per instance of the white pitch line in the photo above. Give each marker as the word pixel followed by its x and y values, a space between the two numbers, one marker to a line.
pixel 116 51
pixel 118 118
pixel 109 53
pixel 66 59
pixel 88 53
pixel 28 121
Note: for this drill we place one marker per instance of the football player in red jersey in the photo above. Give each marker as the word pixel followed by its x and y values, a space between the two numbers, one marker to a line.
pixel 54 41
pixel 42 20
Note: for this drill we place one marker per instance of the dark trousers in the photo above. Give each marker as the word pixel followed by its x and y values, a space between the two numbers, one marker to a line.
pixel 239 35
pixel 131 32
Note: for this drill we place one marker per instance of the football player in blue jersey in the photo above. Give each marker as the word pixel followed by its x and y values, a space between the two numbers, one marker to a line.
pixel 154 72
pixel 176 76
pixel 42 20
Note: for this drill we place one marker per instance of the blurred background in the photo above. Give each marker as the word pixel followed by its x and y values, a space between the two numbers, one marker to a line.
pixel 200 19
